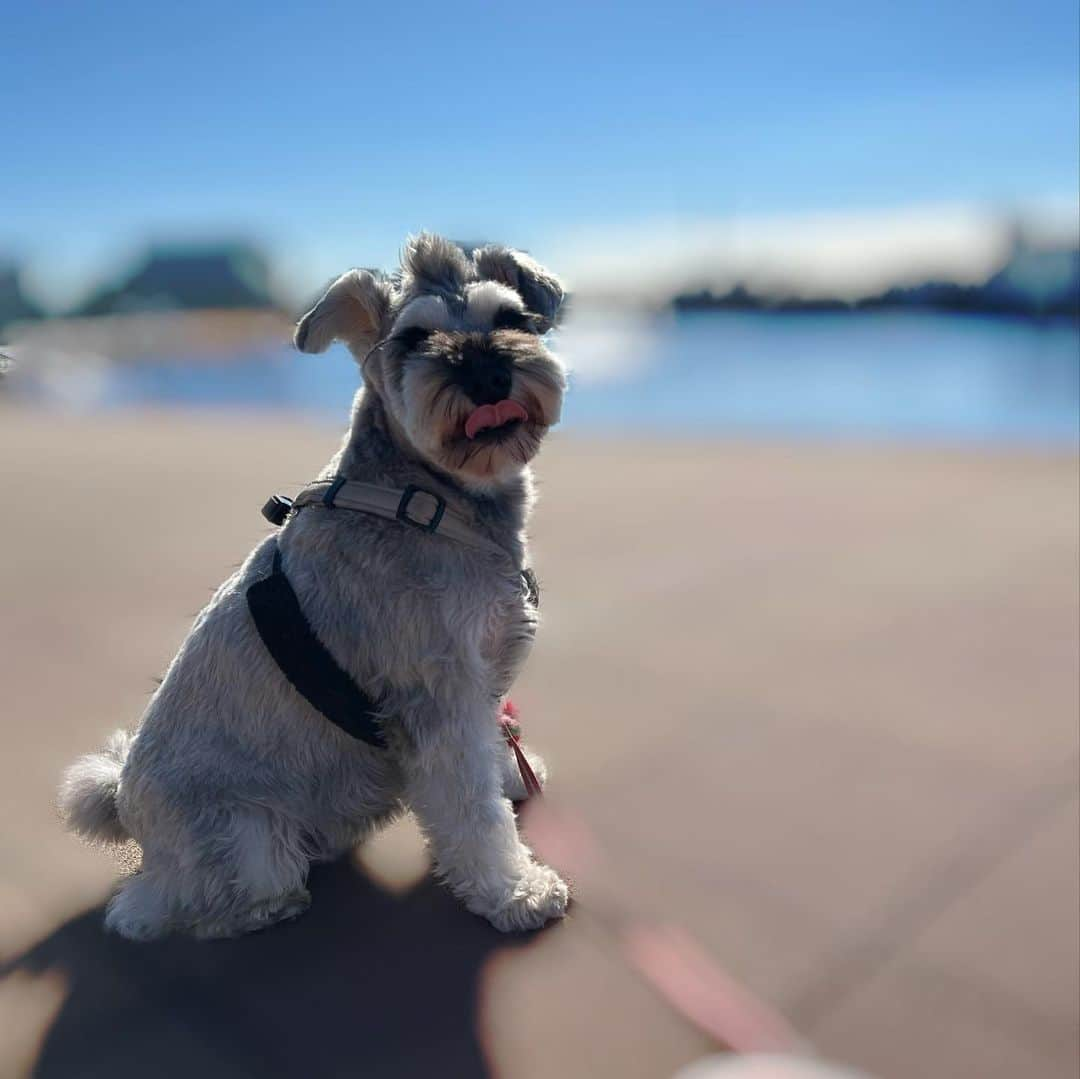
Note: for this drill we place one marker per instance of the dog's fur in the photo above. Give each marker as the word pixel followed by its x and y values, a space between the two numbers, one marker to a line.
pixel 233 784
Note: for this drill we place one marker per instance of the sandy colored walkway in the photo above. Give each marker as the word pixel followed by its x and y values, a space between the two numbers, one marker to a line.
pixel 819 704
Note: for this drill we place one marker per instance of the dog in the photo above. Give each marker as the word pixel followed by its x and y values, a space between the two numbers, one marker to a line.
pixel 233 783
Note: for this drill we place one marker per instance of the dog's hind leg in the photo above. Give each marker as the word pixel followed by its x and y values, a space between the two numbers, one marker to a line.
pixel 141 909
pixel 227 870
pixel 252 874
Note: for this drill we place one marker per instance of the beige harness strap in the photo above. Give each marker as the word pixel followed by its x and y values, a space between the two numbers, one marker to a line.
pixel 413 506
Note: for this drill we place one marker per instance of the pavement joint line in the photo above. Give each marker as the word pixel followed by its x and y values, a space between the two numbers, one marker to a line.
pixel 954 873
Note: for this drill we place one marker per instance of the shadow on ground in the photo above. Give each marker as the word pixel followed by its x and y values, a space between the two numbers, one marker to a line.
pixel 366 983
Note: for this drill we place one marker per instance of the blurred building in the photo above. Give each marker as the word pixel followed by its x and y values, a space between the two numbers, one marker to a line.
pixel 14 304
pixel 234 275
pixel 1046 281
pixel 1036 281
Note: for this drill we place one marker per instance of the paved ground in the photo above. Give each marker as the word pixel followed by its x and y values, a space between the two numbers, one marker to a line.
pixel 818 704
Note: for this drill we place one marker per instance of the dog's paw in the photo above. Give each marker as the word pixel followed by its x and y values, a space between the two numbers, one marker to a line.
pixel 513 785
pixel 261 916
pixel 136 911
pixel 132 926
pixel 540 896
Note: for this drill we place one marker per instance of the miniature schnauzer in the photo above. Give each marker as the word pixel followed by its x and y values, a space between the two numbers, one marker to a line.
pixel 233 783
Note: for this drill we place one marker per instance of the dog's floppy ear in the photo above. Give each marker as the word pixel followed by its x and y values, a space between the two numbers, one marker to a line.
pixel 355 309
pixel 541 291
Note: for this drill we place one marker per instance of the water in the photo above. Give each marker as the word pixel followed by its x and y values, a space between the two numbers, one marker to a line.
pixel 901 376
pixel 906 376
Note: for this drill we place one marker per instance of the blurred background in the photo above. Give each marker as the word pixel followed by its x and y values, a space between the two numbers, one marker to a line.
pixel 808 531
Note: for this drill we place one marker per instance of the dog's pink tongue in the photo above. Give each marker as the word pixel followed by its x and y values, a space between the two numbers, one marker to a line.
pixel 485 416
pixel 479 419
pixel 505 411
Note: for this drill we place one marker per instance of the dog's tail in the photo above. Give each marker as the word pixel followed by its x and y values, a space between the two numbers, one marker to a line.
pixel 89 788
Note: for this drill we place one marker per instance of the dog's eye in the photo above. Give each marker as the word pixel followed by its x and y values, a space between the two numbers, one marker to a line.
pixel 411 337
pixel 510 318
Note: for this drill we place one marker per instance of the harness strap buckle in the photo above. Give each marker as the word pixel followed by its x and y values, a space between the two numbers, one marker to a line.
pixel 407 496
pixel 277 508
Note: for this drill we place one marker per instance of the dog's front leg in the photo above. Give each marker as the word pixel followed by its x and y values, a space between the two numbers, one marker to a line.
pixel 454 786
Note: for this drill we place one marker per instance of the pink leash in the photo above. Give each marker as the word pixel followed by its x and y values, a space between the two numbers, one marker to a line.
pixel 671 961
pixel 512 733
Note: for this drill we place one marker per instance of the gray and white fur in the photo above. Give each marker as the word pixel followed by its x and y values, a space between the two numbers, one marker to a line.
pixel 232 783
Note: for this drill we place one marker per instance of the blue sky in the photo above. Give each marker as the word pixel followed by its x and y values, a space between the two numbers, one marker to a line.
pixel 329 131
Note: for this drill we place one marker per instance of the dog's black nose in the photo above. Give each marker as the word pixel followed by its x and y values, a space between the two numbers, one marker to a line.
pixel 486 378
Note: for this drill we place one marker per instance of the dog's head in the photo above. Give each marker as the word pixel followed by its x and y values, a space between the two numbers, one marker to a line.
pixel 452 345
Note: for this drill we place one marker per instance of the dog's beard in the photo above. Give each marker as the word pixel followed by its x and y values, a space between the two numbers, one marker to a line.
pixel 434 413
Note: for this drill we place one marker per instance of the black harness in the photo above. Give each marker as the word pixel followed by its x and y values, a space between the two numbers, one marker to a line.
pixel 305 660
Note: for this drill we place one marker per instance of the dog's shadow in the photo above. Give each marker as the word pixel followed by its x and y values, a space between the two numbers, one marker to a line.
pixel 366 983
